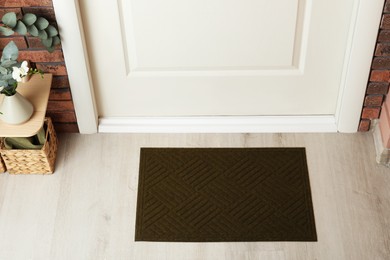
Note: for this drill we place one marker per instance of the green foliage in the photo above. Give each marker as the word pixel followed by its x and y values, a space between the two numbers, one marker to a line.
pixel 29 19
pixel 41 23
pixel 56 40
pixel 42 35
pixel 10 53
pixel 6 31
pixel 9 19
pixel 9 59
pixel 32 29
pixel 11 71
pixel 51 31
pixel 47 42
pixel 21 28
pixel 34 25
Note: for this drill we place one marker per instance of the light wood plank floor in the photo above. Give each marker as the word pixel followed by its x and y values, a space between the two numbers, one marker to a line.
pixel 86 210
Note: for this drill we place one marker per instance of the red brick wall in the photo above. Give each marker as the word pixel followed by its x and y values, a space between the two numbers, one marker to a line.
pixel 60 106
pixel 378 84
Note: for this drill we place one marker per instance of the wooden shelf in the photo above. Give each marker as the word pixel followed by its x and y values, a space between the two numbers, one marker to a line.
pixel 37 91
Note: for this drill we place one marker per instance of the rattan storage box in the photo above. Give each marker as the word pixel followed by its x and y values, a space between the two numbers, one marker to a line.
pixel 33 161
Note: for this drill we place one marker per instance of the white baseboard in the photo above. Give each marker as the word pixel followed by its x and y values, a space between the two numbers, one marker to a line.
pixel 218 124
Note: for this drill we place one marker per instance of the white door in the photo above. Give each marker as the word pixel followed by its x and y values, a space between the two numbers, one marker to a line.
pixel 217 57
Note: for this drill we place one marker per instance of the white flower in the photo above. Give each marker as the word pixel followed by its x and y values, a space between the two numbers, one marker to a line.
pixel 16 74
pixel 24 69
pixel 19 73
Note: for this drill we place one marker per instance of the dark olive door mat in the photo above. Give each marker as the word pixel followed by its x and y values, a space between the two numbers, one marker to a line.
pixel 224 194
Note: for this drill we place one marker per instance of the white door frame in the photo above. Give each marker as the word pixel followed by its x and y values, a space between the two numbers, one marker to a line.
pixel 362 39
pixel 77 63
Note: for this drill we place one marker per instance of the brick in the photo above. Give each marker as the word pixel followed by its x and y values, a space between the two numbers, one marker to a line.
pixel 385 24
pixel 46 12
pixel 35 43
pixel 373 100
pixel 18 11
pixel 60 82
pixel 20 41
pixel 57 69
pixel 66 128
pixel 381 63
pixel 364 125
pixel 60 106
pixel 384 36
pixel 382 49
pixel 370 112
pixel 62 117
pixel 22 3
pixel 41 56
pixel 377 88
pixel 60 94
pixel 387 7
pixel 380 76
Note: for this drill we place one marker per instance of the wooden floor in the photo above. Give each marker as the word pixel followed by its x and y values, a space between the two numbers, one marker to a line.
pixel 86 210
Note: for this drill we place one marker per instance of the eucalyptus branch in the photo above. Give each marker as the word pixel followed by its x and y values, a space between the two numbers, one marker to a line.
pixel 33 25
pixel 12 71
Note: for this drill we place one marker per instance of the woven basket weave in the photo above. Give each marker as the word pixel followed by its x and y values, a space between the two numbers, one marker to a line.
pixel 2 165
pixel 20 161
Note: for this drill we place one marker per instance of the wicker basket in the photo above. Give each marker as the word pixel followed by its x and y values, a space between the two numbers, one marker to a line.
pixel 2 165
pixel 20 161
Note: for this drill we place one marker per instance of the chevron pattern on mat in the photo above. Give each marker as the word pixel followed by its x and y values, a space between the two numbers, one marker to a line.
pixel 224 194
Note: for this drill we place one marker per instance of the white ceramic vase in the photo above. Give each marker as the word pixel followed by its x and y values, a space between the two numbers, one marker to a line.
pixel 15 109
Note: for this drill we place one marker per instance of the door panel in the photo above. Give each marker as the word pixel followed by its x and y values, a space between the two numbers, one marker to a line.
pixel 217 57
pixel 177 35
